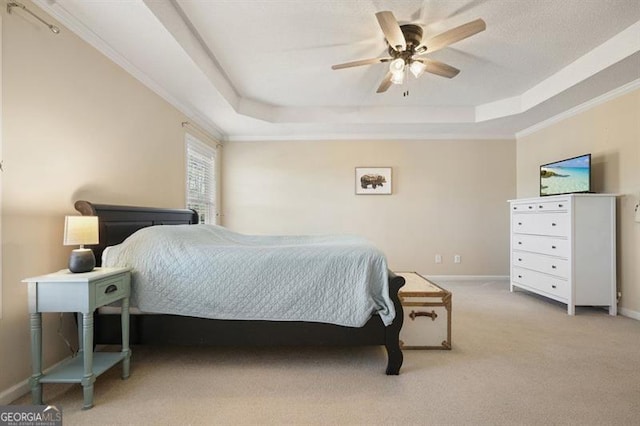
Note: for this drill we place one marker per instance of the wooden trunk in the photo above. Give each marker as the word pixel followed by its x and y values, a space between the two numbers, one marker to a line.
pixel 427 314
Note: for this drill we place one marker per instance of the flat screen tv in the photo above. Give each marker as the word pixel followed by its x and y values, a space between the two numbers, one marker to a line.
pixel 568 176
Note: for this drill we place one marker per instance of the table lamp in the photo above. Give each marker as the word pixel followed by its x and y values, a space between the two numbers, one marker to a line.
pixel 81 230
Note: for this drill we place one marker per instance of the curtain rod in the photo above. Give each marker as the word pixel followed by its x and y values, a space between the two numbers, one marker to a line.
pixel 201 131
pixel 13 4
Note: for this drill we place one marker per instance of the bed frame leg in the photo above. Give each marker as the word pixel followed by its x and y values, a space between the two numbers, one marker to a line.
pixel 395 358
pixel 392 331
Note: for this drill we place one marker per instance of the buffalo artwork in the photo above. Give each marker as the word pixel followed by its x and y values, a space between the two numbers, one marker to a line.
pixel 373 180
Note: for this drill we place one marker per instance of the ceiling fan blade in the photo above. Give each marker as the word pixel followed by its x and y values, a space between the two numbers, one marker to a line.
pixel 439 68
pixel 391 30
pixel 360 62
pixel 454 35
pixel 386 83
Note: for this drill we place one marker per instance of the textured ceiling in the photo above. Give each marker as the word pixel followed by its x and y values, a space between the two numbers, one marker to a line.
pixel 252 69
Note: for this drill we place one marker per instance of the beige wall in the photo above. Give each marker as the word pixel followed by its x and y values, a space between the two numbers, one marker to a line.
pixel 449 197
pixel 611 133
pixel 75 126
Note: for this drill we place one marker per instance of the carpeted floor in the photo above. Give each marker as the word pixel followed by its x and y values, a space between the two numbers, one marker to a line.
pixel 517 359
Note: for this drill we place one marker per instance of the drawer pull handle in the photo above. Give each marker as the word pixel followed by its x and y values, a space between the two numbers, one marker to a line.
pixel 519 259
pixel 530 207
pixel 553 266
pixel 560 205
pixel 431 314
pixel 541 207
pixel 553 286
pixel 553 247
pixel 520 243
pixel 519 223
pixel 111 289
pixel 553 224
pixel 519 276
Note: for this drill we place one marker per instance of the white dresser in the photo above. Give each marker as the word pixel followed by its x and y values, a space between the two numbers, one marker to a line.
pixel 564 247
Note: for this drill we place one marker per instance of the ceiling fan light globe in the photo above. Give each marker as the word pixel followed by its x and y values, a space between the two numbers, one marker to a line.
pixel 417 68
pixel 397 77
pixel 397 65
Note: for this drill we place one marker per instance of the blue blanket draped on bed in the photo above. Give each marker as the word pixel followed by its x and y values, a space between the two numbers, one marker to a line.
pixel 209 271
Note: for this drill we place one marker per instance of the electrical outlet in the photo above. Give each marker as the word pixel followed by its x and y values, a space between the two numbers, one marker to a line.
pixel 438 258
pixel 456 258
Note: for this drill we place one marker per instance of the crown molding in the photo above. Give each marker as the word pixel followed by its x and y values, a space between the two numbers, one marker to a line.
pixel 86 34
pixel 362 137
pixel 615 93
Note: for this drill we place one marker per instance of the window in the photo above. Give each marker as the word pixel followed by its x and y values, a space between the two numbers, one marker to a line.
pixel 201 179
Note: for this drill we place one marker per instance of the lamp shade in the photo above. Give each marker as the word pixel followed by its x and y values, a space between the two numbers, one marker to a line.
pixel 80 230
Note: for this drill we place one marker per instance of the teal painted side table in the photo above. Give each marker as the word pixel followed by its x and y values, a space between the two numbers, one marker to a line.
pixel 83 293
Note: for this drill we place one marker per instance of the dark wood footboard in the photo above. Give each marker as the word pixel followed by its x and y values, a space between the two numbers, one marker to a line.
pixel 118 222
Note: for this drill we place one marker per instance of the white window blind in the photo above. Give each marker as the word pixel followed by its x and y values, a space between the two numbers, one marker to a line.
pixel 201 179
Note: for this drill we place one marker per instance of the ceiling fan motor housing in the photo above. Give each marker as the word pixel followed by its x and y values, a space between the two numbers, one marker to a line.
pixel 412 35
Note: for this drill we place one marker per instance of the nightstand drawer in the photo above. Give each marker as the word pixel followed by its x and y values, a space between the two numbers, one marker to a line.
pixel 111 289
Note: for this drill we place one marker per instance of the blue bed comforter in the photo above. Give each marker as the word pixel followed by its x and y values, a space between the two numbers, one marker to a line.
pixel 209 271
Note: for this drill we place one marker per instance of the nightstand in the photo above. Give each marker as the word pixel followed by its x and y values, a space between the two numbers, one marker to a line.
pixel 83 293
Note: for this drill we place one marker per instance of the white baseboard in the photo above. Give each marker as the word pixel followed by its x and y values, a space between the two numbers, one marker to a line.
pixel 444 278
pixel 7 396
pixel 629 313
pixel 466 277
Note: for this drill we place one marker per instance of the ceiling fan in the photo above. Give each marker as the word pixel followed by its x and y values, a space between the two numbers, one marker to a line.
pixel 406 49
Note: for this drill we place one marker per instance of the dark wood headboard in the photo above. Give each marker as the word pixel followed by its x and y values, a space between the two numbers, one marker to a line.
pixel 118 222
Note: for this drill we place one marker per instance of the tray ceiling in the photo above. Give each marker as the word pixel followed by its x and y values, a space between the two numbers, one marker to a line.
pixel 261 69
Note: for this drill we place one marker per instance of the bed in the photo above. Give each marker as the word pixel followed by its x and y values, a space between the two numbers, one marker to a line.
pixel 119 222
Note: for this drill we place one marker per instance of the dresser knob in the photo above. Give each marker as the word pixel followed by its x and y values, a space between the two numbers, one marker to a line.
pixel 519 276
pixel 541 207
pixel 553 286
pixel 519 260
pixel 553 266
pixel 553 247
pixel 553 224
pixel 560 205
pixel 520 243
pixel 519 223
pixel 530 207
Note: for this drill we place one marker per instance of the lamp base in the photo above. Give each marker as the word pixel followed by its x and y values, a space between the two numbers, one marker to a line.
pixel 82 260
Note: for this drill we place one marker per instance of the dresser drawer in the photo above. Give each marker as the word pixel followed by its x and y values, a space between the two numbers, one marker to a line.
pixel 524 207
pixel 539 282
pixel 539 244
pixel 111 289
pixel 556 205
pixel 556 224
pixel 548 264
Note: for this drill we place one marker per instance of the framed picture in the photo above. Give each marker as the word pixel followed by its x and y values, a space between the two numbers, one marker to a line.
pixel 373 180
